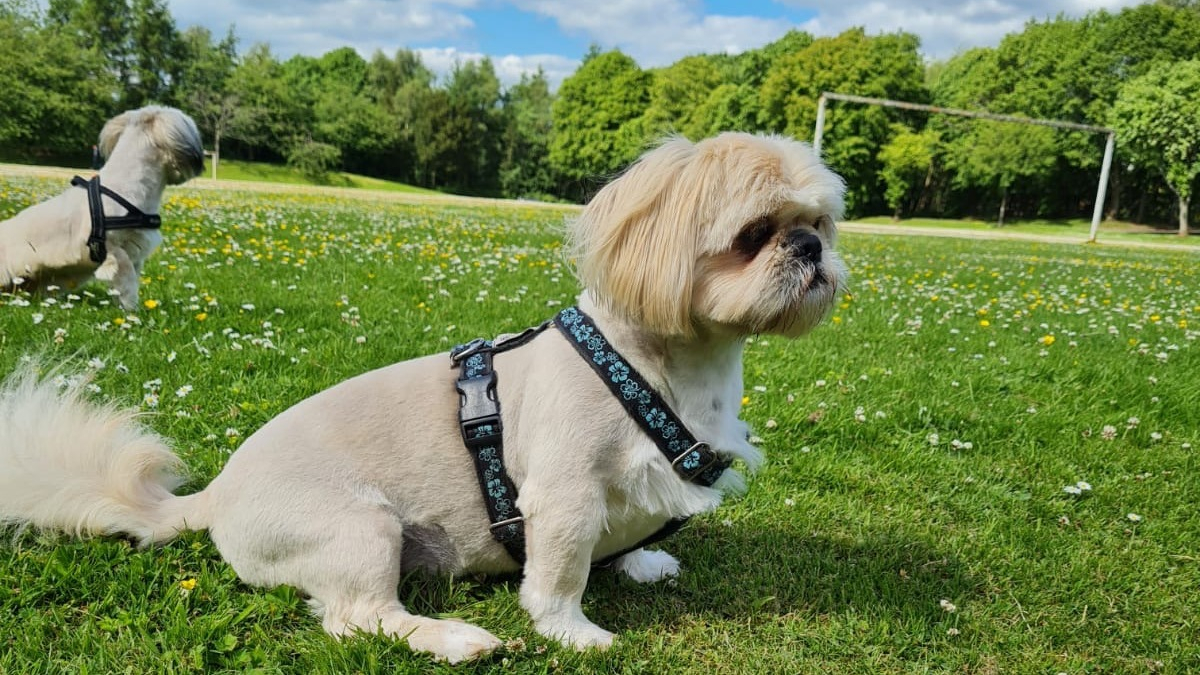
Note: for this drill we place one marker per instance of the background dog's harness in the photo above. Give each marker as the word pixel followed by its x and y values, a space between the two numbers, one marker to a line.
pixel 479 421
pixel 101 224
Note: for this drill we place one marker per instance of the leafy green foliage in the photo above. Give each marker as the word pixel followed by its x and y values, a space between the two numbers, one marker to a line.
pixel 907 161
pixel 596 113
pixel 1158 116
pixel 314 160
pixel 525 169
pixel 53 91
pixel 677 94
pixel 886 66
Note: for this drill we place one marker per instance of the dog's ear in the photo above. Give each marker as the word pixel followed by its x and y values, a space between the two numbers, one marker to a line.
pixel 636 242
pixel 112 132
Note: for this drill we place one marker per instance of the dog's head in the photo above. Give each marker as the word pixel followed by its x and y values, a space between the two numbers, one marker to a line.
pixel 734 234
pixel 171 133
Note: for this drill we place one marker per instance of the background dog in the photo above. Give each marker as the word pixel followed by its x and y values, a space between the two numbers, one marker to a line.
pixel 46 244
pixel 692 249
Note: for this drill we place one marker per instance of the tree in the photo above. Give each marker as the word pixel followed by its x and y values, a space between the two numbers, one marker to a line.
pixel 474 92
pixel 907 160
pixel 271 115
pixel 156 54
pixel 139 43
pixel 399 85
pixel 202 86
pixel 753 65
pixel 884 66
pixel 344 112
pixel 524 166
pixel 594 115
pixel 729 107
pixel 315 161
pixel 438 133
pixel 677 92
pixel 1157 116
pixel 995 155
pixel 54 93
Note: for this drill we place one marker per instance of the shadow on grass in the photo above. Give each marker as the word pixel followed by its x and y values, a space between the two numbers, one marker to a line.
pixel 741 572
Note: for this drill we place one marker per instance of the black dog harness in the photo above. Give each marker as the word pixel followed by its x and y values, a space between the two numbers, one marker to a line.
pixel 101 224
pixel 479 419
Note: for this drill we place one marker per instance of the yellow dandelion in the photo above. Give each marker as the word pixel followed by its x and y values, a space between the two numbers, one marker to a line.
pixel 985 323
pixel 119 320
pixel 1047 340
pixel 150 304
pixel 745 400
pixel 201 316
pixel 187 584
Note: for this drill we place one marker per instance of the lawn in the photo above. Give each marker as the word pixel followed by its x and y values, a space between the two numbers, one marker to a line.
pixel 234 169
pixel 984 462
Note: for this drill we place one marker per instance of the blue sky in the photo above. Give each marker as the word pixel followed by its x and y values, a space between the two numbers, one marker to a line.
pixel 522 35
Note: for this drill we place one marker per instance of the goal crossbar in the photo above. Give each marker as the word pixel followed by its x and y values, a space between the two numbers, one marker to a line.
pixel 1097 211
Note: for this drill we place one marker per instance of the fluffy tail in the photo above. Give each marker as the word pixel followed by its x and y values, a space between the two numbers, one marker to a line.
pixel 71 465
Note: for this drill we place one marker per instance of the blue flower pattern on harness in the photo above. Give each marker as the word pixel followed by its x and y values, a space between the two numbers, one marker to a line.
pixel 659 423
pixel 474 365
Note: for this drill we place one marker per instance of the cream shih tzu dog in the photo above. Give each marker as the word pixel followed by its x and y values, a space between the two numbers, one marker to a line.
pixel 105 227
pixel 691 250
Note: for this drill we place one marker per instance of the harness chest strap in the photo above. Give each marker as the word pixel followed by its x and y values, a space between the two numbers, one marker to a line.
pixel 101 224
pixel 482 431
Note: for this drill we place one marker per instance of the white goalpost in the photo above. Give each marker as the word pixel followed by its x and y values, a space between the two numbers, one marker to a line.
pixel 1097 212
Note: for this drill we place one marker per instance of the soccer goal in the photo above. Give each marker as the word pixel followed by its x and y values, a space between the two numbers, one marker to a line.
pixel 1097 212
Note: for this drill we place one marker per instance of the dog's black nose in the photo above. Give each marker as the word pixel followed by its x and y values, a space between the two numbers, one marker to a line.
pixel 805 244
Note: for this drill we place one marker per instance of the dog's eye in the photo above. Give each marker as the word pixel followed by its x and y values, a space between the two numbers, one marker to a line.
pixel 754 237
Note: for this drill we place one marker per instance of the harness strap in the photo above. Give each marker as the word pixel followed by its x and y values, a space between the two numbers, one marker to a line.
pixel 692 459
pixel 479 421
pixel 482 432
pixel 101 224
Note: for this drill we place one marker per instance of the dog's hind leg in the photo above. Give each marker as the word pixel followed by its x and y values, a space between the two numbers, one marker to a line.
pixel 352 578
pixel 647 567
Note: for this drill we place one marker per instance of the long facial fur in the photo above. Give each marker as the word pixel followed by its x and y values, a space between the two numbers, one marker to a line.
pixel 172 133
pixel 658 244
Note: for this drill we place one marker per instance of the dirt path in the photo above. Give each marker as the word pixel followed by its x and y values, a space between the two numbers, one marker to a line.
pixel 870 228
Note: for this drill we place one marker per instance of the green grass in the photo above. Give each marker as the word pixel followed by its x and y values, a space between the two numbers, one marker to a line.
pixel 236 169
pixel 915 453
pixel 1076 228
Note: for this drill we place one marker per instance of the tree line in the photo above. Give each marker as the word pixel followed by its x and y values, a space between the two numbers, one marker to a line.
pixel 67 67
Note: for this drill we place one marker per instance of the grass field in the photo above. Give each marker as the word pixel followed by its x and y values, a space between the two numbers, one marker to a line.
pixel 234 169
pixel 985 462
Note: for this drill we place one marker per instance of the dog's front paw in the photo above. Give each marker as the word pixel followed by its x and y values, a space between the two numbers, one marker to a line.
pixel 578 634
pixel 451 640
pixel 647 567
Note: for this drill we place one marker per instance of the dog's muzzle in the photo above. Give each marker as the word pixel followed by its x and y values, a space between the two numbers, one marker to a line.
pixel 805 245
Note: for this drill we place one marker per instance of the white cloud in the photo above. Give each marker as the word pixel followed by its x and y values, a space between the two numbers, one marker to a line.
pixel 313 27
pixel 945 26
pixel 509 68
pixel 657 33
